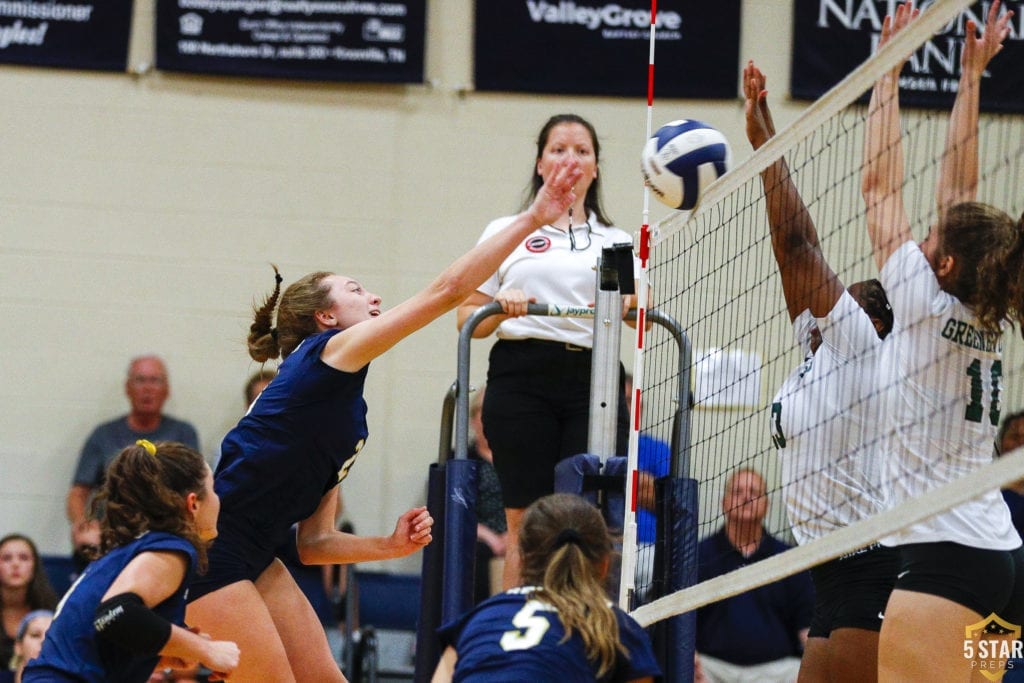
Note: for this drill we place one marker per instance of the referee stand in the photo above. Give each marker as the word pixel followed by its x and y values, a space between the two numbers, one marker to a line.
pixel 599 475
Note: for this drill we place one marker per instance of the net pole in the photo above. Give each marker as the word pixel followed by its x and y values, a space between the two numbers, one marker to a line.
pixel 627 584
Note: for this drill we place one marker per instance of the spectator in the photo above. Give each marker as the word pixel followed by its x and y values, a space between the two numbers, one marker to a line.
pixel 758 635
pixel 147 389
pixel 491 529
pixel 257 383
pixel 1011 435
pixel 24 588
pixel 29 640
pixel 538 403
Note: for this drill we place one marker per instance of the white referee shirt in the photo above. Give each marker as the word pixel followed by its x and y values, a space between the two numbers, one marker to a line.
pixel 939 374
pixel 545 268
pixel 824 422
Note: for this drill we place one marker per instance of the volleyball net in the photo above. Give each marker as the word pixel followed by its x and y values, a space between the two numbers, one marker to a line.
pixel 713 270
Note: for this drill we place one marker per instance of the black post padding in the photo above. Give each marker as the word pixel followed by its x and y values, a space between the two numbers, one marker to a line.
pixel 428 649
pixel 675 568
pixel 460 538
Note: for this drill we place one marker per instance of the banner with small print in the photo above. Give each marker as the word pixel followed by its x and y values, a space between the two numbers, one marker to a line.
pixel 325 40
pixel 73 35
pixel 596 47
pixel 831 38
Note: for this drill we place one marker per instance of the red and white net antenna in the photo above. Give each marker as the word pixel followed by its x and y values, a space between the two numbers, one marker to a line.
pixel 627 585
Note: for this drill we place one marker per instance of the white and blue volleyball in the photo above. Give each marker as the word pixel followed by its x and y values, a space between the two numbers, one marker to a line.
pixel 682 159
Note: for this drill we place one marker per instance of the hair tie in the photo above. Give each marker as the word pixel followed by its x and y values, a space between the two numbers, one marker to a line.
pixel 568 536
pixel 273 333
pixel 277 277
pixel 148 445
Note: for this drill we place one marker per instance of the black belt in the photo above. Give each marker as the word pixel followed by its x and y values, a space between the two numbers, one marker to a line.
pixel 547 342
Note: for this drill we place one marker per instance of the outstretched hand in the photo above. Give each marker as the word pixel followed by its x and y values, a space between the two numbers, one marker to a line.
pixel 979 51
pixel 412 532
pixel 906 12
pixel 760 126
pixel 556 195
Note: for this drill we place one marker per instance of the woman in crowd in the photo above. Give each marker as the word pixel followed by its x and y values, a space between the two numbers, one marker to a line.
pixel 537 407
pixel 124 615
pixel 23 588
pixel 558 625
pixel 284 461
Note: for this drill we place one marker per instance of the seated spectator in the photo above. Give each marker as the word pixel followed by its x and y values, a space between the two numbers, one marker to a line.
pixel 29 639
pixel 758 635
pixel 257 383
pixel 24 588
pixel 147 389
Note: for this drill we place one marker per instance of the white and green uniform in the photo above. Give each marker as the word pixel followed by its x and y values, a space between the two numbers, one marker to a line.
pixel 824 422
pixel 939 377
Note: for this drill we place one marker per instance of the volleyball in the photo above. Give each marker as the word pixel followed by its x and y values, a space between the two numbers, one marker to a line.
pixel 682 159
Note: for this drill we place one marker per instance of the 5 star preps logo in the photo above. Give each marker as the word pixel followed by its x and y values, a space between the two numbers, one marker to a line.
pixel 989 643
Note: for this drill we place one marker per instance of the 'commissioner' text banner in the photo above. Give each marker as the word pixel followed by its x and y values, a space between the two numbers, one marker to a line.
pixel 833 37
pixel 74 35
pixel 328 40
pixel 595 47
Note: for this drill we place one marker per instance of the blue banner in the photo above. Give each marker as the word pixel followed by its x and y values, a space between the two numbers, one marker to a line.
pixel 74 35
pixel 327 40
pixel 831 39
pixel 592 47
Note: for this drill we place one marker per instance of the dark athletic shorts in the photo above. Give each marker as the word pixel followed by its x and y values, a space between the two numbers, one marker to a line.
pixel 536 412
pixel 851 591
pixel 232 558
pixel 986 581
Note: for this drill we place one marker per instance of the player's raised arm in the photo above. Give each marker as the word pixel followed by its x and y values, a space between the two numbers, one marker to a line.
pixel 958 176
pixel 882 180
pixel 808 282
pixel 354 347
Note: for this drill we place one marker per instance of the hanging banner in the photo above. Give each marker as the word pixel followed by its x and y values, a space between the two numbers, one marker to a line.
pixel 591 47
pixel 832 38
pixel 73 35
pixel 327 40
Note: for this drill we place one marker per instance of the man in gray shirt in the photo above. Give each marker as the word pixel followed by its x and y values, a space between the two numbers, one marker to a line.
pixel 147 389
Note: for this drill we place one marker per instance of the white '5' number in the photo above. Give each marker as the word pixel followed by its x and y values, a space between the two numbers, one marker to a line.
pixel 530 627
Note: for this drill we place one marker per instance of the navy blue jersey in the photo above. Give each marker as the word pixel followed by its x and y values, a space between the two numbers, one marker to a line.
pixel 297 441
pixel 513 637
pixel 73 652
